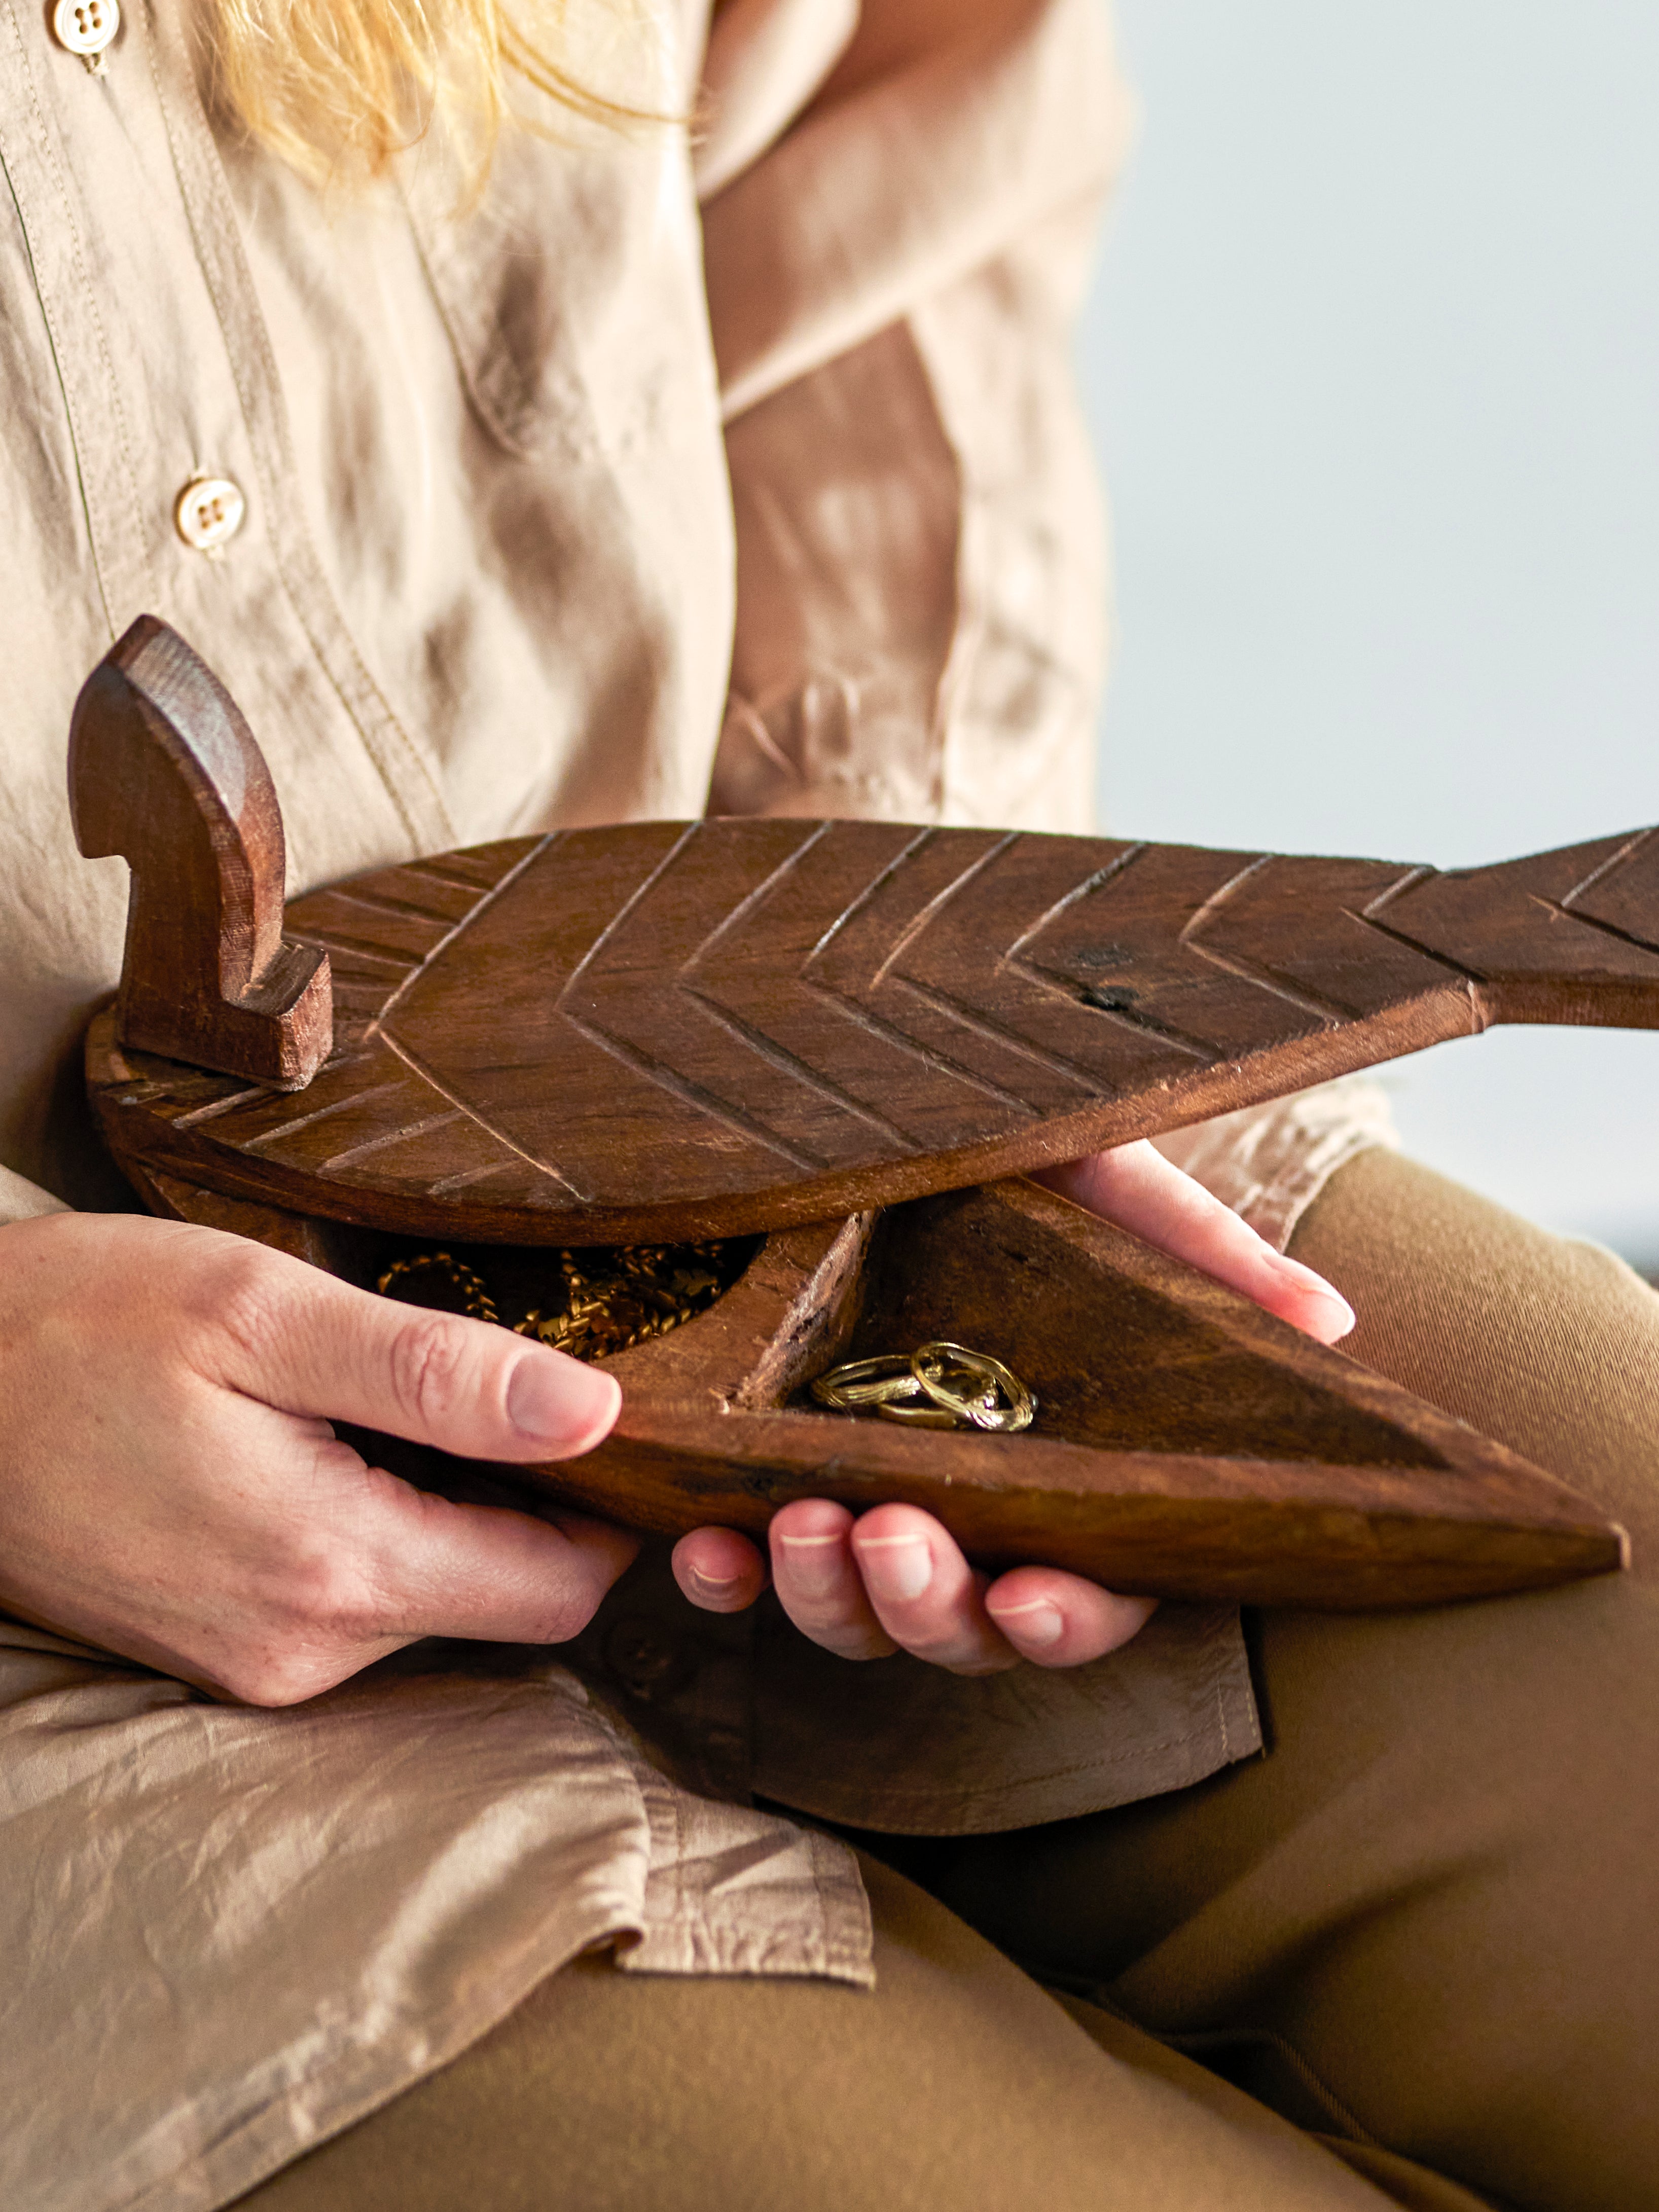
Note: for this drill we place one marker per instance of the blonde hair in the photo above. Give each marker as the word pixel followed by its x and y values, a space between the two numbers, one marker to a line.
pixel 339 87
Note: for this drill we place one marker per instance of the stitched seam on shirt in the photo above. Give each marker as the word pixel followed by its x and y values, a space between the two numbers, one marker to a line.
pixel 819 1896
pixel 49 158
pixel 856 1954
pixel 483 370
pixel 297 563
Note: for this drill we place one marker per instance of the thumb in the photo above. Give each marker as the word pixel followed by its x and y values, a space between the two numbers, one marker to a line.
pixel 308 1344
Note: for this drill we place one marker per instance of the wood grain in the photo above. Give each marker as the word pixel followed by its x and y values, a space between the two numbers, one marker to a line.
pixel 1187 1444
pixel 661 1031
pixel 163 770
pixel 672 1029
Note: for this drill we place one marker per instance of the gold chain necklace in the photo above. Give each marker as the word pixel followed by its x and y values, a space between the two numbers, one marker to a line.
pixel 599 1302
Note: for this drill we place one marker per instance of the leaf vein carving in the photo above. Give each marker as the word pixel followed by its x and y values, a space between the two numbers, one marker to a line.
pixel 779 1057
pixel 481 905
pixel 929 1056
pixel 684 1087
pixel 413 1062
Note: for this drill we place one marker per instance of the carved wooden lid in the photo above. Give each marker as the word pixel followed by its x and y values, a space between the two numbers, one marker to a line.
pixel 691 1029
pixel 700 1029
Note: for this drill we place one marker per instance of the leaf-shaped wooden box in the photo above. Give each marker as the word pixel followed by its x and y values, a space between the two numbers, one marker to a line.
pixel 846 1042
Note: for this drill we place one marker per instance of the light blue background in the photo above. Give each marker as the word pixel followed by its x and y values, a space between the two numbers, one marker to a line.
pixel 1373 364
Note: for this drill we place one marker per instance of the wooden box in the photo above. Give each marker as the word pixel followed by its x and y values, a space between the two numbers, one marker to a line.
pixel 838 1048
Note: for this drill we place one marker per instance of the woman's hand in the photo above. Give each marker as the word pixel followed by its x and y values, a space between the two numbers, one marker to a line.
pixel 1136 1188
pixel 171 1489
pixel 895 1581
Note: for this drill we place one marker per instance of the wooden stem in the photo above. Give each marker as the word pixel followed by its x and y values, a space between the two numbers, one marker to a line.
pixel 164 771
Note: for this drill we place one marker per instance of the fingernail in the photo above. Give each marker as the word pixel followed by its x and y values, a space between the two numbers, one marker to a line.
pixel 815 1564
pixel 1039 1622
pixel 716 1585
pixel 554 1400
pixel 895 1566
pixel 1303 1279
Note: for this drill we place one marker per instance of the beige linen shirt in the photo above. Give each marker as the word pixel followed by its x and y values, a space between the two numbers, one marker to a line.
pixel 745 473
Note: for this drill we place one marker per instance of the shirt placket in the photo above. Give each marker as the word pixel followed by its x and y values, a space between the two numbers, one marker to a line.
pixel 178 423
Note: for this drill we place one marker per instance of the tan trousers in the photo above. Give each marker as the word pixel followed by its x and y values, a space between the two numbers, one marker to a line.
pixel 1416 1947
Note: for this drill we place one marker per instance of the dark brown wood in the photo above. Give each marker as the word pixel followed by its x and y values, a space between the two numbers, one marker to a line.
pixel 668 1029
pixel 680 1029
pixel 163 771
pixel 332 1246
pixel 661 1031
pixel 1187 1445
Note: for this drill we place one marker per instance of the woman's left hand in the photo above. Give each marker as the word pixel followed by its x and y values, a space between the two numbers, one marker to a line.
pixel 893 1580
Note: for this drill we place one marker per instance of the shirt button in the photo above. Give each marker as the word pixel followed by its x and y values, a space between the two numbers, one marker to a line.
pixel 208 512
pixel 86 27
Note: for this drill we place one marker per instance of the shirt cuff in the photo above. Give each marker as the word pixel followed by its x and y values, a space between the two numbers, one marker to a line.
pixel 1270 1163
pixel 20 1201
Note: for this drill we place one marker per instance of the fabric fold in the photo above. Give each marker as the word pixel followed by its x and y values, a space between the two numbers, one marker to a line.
pixel 766 59
pixel 875 202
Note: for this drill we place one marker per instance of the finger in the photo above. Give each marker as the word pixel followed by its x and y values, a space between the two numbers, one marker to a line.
pixel 925 1594
pixel 431 1567
pixel 1057 1620
pixel 819 1582
pixel 719 1570
pixel 379 1565
pixel 302 1341
pixel 1136 1188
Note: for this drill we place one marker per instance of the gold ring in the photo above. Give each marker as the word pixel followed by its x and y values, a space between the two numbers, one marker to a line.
pixel 1001 1404
pixel 940 1386
pixel 878 1383
pixel 918 1417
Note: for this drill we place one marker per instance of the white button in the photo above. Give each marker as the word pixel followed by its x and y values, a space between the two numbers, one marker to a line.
pixel 86 27
pixel 208 512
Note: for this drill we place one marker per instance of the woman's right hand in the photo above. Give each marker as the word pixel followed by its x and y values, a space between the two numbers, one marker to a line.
pixel 171 1489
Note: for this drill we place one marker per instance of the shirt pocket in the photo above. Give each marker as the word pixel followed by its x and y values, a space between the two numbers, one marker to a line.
pixel 527 279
